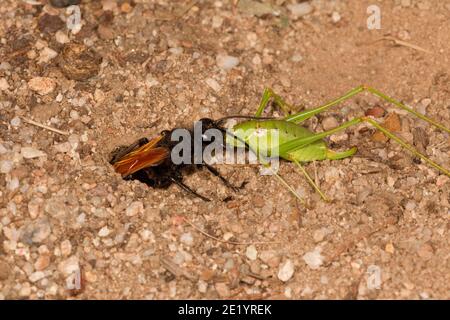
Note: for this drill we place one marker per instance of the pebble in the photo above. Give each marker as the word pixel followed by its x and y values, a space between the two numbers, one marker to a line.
pixel 104 232
pixel 42 262
pixel 335 17
pixel 222 290
pixel 213 84
pixel 61 37
pixel 329 123
pixel 187 239
pixel 176 50
pixel 42 85
pixel 66 248
pixel 313 258
pixel 30 153
pixel 13 184
pixel 6 166
pixel 229 264
pixel 36 232
pixel 425 251
pixel 69 266
pixel 300 9
pixel 286 270
pixel 410 205
pixel 405 3
pixel 251 252
pixel 25 290
pixel 297 57
pixel 217 22
pixel 46 55
pixel 376 112
pixel 227 236
pixel 392 123
pixel 126 7
pixel 389 248
pixel 320 234
pixel 202 286
pixel 441 180
pixel 36 276
pixel 105 32
pixel 226 62
pixel 64 147
pixel 5 270
pixel 3 84
pixel 136 207
pixel 15 122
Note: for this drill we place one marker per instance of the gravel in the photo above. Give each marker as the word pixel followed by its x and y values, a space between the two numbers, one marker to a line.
pixel 314 258
pixel 135 69
pixel 300 9
pixel 286 270
pixel 226 62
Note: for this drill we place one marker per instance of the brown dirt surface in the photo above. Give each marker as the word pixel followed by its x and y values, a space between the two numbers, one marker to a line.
pixel 138 67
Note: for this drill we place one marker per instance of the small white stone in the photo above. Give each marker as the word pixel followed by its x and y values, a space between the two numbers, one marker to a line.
pixel 13 184
pixel 187 239
pixel 30 153
pixel 202 286
pixel 15 122
pixel 286 270
pixel 34 206
pixel 150 81
pixel 3 149
pixel 335 17
pixel 6 166
pixel 64 147
pixel 61 37
pixel 69 266
pixel 226 62
pixel 176 50
pixel 217 22
pixel 410 205
pixel 227 236
pixel 104 232
pixel 3 84
pixel 251 252
pixel 300 9
pixel 213 84
pixel 313 258
pixel 135 208
pixel 66 248
pixel 36 276
pixel 297 57
pixel 46 55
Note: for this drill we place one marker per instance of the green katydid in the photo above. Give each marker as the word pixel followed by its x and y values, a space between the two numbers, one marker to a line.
pixel 299 145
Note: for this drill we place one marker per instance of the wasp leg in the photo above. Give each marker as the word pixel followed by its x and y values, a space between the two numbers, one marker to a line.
pixel 188 189
pixel 224 180
pixel 119 152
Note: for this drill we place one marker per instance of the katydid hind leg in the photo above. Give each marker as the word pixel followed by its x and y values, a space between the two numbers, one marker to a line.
pixel 310 180
pixel 299 143
pixel 306 114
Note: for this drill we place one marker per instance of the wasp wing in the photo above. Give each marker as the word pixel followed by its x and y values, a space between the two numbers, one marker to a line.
pixel 145 156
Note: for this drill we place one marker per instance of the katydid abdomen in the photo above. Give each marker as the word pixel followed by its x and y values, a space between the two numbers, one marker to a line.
pixel 264 137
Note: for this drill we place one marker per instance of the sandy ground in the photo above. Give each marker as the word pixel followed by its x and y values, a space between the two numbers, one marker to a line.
pixel 153 65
